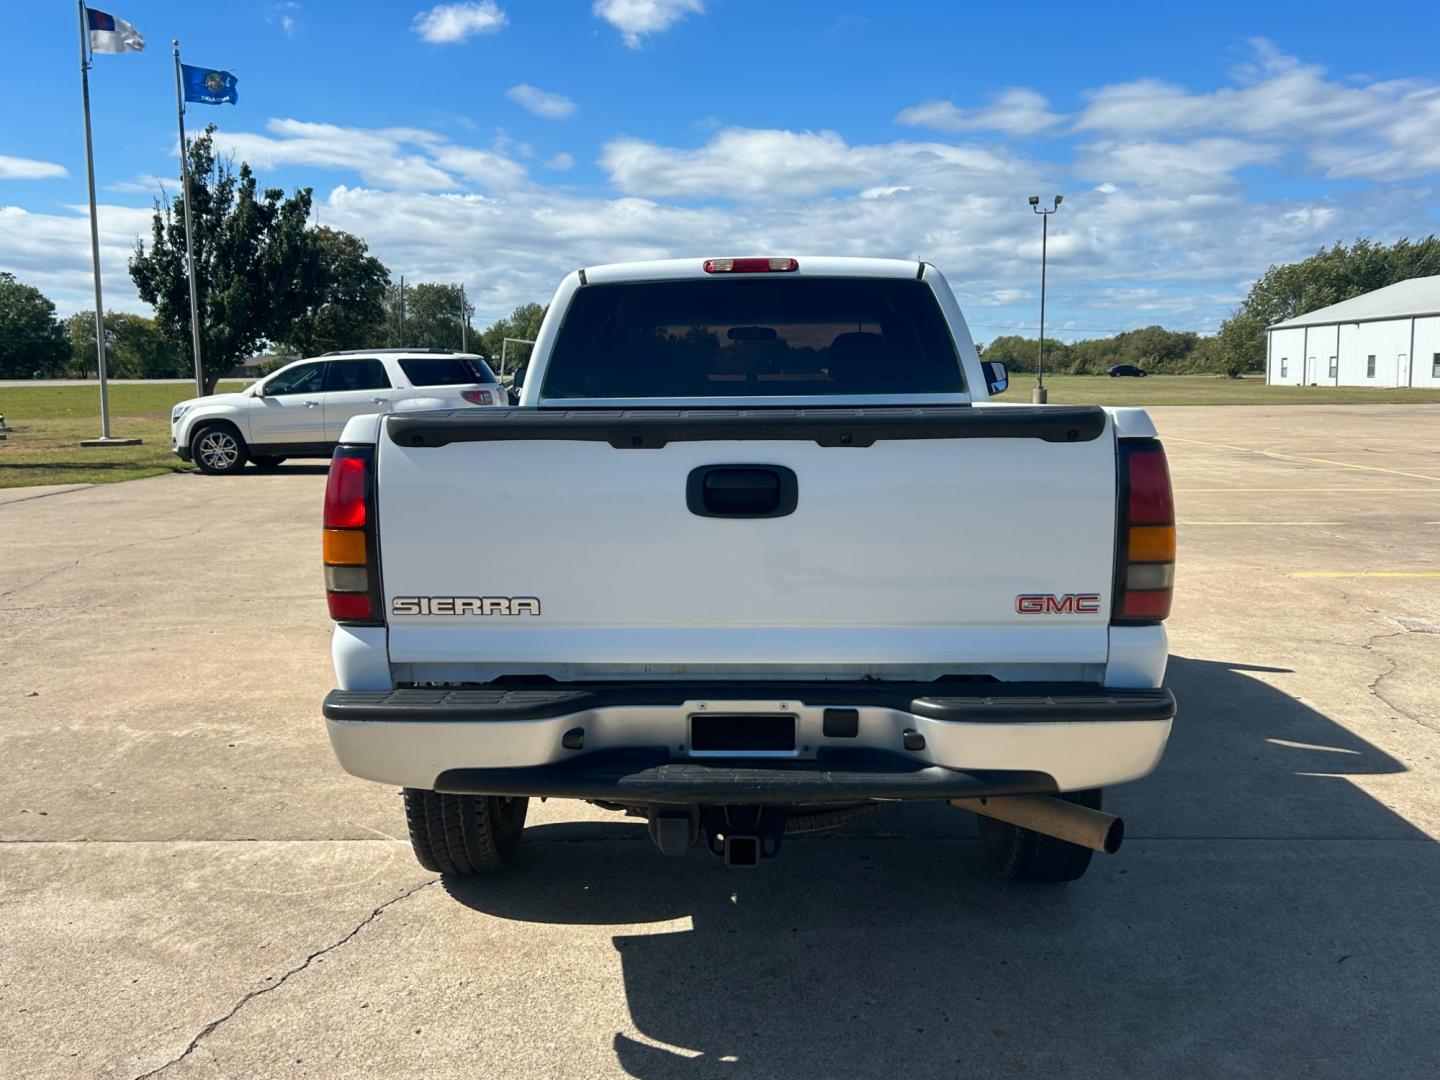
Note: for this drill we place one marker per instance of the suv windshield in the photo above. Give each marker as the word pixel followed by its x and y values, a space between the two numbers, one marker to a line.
pixel 446 371
pixel 753 337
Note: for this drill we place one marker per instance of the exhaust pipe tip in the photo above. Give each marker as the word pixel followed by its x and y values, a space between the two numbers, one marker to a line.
pixel 1114 836
pixel 1055 817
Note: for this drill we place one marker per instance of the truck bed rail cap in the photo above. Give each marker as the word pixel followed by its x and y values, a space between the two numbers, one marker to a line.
pixel 653 428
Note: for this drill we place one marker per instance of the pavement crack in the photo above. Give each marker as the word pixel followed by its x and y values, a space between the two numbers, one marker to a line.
pixel 100 554
pixel 214 1025
pixel 1373 686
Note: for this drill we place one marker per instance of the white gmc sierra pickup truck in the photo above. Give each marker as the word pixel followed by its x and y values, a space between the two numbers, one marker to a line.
pixel 770 558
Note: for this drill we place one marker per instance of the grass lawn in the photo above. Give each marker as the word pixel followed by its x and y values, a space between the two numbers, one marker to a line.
pixel 1205 390
pixel 47 423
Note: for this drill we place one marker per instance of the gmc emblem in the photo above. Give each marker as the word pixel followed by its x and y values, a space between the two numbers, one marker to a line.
pixel 1049 604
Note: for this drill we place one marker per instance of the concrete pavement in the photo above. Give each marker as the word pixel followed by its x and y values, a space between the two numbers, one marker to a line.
pixel 191 886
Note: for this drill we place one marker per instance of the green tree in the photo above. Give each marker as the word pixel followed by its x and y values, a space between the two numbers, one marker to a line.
pixel 135 348
pixel 346 297
pixel 432 316
pixel 524 323
pixel 31 338
pixel 255 272
pixel 1021 354
pixel 1238 347
pixel 1327 277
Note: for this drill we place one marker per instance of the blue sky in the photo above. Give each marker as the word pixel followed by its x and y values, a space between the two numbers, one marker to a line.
pixel 504 143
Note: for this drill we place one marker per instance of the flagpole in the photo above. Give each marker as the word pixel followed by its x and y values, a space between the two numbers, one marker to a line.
pixel 185 198
pixel 94 229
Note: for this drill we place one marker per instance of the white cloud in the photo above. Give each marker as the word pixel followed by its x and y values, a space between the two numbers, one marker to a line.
pixel 52 252
pixel 284 12
pixel 1198 164
pixel 448 24
pixel 1016 112
pixel 541 102
pixel 740 163
pixel 636 18
pixel 19 168
pixel 1162 222
pixel 384 156
pixel 485 168
pixel 1377 130
pixel 147 183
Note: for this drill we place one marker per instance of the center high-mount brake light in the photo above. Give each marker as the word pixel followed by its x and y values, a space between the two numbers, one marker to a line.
pixel 1145 542
pixel 352 588
pixel 750 266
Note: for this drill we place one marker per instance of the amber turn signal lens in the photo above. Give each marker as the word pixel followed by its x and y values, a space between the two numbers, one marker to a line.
pixel 1152 543
pixel 346 547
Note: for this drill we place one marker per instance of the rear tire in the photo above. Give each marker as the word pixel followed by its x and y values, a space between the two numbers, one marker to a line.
pixel 1018 854
pixel 265 461
pixel 219 450
pixel 464 835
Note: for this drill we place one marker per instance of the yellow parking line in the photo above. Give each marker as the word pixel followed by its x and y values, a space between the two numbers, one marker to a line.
pixel 1309 460
pixel 1365 573
pixel 1429 492
pixel 1261 523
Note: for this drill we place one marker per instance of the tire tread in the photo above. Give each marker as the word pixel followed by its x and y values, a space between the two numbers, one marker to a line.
pixel 462 835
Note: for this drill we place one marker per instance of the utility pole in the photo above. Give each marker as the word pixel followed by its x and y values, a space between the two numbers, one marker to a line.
pixel 464 322
pixel 1039 395
pixel 401 342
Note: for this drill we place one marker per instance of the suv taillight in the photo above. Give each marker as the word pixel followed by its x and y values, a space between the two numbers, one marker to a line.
pixel 477 397
pixel 1145 539
pixel 352 579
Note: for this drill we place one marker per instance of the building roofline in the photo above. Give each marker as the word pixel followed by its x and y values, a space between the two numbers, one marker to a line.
pixel 1292 324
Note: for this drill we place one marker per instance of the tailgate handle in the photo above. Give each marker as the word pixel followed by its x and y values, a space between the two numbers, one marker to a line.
pixel 742 491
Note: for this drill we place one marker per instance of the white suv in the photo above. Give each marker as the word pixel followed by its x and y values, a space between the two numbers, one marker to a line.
pixel 300 410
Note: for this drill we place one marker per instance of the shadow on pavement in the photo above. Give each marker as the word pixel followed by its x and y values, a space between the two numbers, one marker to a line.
pixel 1266 918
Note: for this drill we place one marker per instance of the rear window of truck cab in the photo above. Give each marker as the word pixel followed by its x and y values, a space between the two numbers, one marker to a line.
pixel 446 371
pixel 753 338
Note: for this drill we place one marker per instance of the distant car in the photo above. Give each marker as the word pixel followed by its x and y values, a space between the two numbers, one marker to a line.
pixel 300 410
pixel 1117 370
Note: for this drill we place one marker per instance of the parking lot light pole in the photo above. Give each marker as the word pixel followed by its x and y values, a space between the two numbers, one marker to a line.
pixel 1039 395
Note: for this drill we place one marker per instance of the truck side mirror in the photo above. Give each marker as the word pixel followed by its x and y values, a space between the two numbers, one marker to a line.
pixel 518 379
pixel 996 377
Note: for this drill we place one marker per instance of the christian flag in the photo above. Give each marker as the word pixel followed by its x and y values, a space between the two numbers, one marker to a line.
pixel 111 35
pixel 208 86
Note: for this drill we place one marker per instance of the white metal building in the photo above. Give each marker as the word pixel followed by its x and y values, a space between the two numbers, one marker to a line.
pixel 1389 337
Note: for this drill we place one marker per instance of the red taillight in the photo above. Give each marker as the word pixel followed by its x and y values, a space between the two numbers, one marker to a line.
pixel 352 585
pixel 750 266
pixel 349 607
pixel 477 397
pixel 1151 502
pixel 345 493
pixel 1145 537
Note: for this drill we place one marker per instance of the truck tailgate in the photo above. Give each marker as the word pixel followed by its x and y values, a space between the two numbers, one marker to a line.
pixel 912 535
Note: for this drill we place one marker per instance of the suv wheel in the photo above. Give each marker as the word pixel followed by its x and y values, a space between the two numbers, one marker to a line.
pixel 1018 854
pixel 463 835
pixel 218 449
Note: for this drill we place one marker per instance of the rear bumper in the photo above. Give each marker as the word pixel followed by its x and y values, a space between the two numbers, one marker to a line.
pixel 910 741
